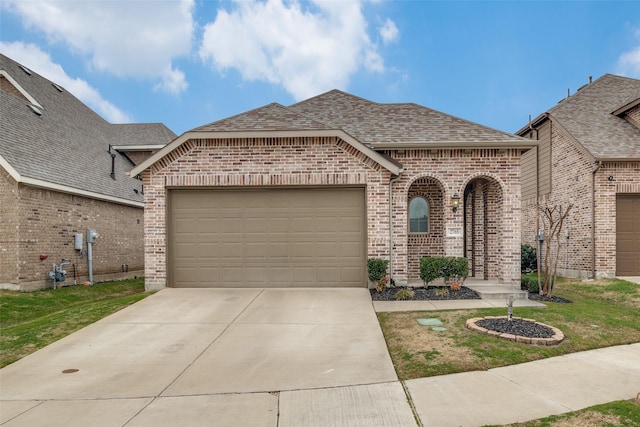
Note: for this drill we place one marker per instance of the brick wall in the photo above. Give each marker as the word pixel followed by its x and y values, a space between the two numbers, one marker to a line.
pixel 9 227
pixel 625 179
pixel 437 174
pixel 572 183
pixel 261 162
pixel 455 171
pixel 47 221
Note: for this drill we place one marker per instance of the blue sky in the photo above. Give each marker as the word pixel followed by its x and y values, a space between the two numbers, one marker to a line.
pixel 191 62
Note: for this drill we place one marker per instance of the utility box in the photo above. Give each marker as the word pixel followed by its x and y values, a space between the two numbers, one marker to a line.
pixel 92 236
pixel 77 241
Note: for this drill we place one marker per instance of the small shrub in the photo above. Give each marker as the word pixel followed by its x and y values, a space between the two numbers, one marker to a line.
pixel 529 283
pixel 441 292
pixel 448 267
pixel 528 259
pixel 377 268
pixel 405 294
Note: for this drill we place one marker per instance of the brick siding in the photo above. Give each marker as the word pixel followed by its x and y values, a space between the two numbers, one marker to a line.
pixel 436 174
pixel 45 222
pixel 572 183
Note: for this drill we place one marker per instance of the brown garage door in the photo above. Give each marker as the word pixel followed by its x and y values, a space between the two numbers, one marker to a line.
pixel 267 237
pixel 628 235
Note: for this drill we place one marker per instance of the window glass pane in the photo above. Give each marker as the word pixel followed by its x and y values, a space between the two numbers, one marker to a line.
pixel 418 216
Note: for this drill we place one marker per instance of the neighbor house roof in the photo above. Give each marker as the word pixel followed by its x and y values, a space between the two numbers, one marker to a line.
pixel 366 125
pixel 592 117
pixel 50 139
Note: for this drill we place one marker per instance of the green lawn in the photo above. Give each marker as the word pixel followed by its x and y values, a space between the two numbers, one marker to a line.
pixel 615 414
pixel 32 320
pixel 604 313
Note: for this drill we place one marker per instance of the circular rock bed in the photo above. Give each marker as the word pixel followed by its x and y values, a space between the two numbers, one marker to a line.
pixel 432 293
pixel 526 331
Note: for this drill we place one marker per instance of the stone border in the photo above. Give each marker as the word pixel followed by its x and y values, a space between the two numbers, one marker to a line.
pixel 557 338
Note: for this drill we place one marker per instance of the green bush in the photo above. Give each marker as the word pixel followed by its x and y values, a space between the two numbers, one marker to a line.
pixel 433 267
pixel 528 260
pixel 377 268
pixel 529 283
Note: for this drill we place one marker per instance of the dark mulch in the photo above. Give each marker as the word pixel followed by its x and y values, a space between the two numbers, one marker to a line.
pixel 524 328
pixel 389 294
pixel 537 297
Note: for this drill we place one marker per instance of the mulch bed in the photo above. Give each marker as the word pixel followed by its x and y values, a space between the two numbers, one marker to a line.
pixel 431 293
pixel 543 298
pixel 520 327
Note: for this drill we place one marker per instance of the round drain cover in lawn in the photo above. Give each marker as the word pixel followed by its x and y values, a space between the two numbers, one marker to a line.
pixel 432 321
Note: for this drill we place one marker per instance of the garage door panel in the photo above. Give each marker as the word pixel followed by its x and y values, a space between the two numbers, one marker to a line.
pixel 267 237
pixel 628 235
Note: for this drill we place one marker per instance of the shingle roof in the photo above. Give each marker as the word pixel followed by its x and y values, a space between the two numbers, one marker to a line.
pixel 587 115
pixel 68 144
pixel 270 117
pixel 369 122
pixel 375 124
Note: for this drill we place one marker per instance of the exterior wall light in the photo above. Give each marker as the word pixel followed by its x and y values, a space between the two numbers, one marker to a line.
pixel 455 202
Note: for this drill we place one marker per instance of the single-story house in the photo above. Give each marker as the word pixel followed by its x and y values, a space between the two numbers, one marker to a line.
pixel 303 195
pixel 589 156
pixel 65 170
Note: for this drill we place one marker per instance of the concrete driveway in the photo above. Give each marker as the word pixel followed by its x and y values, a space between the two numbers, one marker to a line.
pixel 224 357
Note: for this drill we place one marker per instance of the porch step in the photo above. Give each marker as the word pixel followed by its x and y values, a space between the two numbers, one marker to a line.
pixel 497 292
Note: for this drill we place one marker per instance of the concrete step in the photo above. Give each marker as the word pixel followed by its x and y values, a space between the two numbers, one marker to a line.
pixel 498 292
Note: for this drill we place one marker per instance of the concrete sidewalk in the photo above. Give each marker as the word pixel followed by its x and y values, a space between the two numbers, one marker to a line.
pixel 281 358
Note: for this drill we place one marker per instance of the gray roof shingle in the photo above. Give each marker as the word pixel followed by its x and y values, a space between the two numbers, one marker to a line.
pixel 68 144
pixel 374 123
pixel 587 115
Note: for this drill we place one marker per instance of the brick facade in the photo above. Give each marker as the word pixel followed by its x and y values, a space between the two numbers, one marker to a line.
pixel 37 221
pixel 321 161
pixel 573 183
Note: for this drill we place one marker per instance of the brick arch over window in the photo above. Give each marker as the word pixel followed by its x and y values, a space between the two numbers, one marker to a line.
pixel 483 226
pixel 431 242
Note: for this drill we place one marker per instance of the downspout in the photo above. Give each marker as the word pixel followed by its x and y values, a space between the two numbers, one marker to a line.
pixel 593 218
pixel 391 181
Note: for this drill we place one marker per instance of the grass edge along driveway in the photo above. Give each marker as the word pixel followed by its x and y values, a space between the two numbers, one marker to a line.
pixel 30 321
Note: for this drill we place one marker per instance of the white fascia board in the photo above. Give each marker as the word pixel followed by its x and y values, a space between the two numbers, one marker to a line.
pixel 63 188
pixel 138 147
pixel 24 93
pixel 378 158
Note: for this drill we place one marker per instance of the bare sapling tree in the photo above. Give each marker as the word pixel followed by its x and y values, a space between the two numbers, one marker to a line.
pixel 553 218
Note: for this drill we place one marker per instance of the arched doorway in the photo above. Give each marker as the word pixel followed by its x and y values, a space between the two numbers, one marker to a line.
pixel 483 227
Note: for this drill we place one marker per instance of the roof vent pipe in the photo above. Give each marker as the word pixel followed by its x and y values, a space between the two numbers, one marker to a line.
pixel 590 79
pixel 113 166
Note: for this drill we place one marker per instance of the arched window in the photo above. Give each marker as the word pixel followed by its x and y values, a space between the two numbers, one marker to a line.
pixel 418 215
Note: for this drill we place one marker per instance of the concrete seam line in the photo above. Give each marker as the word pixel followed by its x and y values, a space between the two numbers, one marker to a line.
pixel 210 344
pixel 411 405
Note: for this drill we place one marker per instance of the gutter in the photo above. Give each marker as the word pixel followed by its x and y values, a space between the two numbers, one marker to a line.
pixel 391 181
pixel 593 218
pixel 525 144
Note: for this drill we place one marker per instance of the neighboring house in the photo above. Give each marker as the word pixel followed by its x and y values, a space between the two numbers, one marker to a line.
pixel 303 195
pixel 589 156
pixel 63 170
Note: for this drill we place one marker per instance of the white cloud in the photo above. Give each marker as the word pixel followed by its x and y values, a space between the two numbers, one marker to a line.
pixel 307 49
pixel 629 62
pixel 39 61
pixel 124 38
pixel 389 32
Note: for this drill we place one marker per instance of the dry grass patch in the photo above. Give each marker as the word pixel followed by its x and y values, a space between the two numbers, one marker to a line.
pixel 602 315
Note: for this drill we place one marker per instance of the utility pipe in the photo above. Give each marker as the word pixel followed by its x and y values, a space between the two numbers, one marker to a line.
pixel 90 259
pixel 593 218
pixel 391 181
